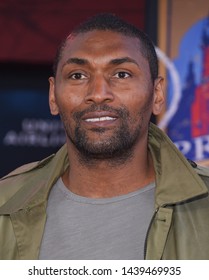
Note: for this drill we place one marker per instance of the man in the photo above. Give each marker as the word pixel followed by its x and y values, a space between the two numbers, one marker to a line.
pixel 119 188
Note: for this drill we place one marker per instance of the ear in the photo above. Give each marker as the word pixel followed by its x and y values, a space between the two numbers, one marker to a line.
pixel 52 99
pixel 158 98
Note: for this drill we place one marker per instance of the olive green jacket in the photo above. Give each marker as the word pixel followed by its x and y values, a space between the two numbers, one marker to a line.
pixel 179 228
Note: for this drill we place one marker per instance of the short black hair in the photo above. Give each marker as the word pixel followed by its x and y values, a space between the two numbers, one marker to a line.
pixel 110 22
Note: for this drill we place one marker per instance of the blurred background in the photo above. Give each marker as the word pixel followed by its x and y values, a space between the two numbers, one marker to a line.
pixel 30 34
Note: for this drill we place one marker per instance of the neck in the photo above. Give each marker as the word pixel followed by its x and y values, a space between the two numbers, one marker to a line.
pixel 102 179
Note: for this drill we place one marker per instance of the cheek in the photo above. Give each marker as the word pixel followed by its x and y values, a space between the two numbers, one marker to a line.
pixel 141 108
pixel 134 91
pixel 137 101
pixel 68 100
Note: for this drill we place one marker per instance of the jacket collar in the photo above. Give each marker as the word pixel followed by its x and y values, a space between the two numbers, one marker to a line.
pixel 176 181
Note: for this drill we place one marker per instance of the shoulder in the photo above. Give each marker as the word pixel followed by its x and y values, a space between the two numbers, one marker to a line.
pixel 202 171
pixel 22 177
pixel 26 168
pixel 30 177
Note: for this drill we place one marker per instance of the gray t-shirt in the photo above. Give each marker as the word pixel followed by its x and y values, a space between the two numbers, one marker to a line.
pixel 80 228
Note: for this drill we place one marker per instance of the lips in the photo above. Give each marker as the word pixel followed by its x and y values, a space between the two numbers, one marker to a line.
pixel 99 117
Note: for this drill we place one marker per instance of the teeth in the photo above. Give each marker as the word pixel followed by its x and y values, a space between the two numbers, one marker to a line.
pixel 100 119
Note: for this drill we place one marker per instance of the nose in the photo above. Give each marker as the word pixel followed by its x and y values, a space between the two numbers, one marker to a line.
pixel 99 91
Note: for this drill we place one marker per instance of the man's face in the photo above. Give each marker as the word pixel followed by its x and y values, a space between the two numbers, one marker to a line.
pixel 104 94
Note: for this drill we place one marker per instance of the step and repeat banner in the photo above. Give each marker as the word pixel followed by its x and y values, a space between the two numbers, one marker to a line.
pixel 184 54
pixel 28 132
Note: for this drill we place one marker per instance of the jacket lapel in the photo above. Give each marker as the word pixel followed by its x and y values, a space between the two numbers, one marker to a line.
pixel 28 228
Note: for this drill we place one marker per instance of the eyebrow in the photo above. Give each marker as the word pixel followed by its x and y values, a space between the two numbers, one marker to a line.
pixel 118 61
pixel 76 60
pixel 83 61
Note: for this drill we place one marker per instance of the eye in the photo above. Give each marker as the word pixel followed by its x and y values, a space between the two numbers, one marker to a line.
pixel 77 76
pixel 122 75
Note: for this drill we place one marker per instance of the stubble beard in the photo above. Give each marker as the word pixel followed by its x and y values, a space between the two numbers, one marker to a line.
pixel 116 149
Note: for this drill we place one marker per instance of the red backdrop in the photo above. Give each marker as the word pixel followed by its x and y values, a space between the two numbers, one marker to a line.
pixel 31 30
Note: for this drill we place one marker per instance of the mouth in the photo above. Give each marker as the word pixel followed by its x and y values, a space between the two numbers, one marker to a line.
pixel 100 118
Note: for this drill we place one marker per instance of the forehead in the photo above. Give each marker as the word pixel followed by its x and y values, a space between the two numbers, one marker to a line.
pixel 101 44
